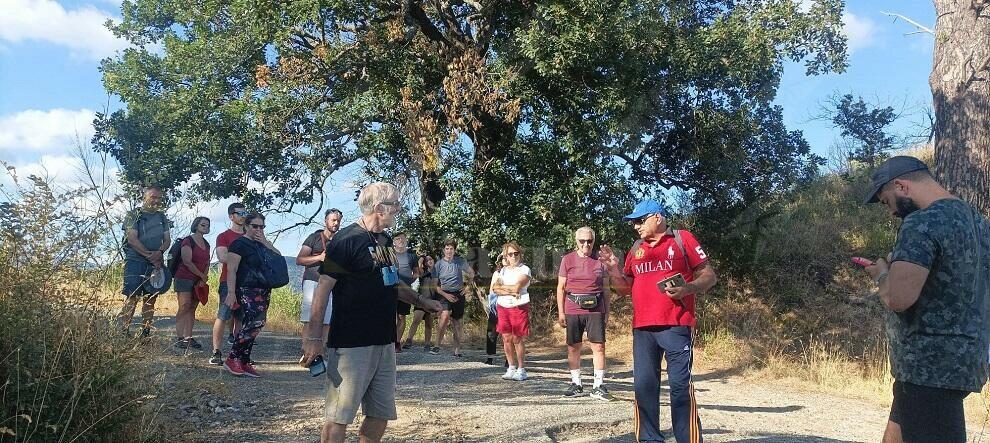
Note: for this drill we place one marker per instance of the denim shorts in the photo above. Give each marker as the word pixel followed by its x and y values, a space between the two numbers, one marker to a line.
pixel 223 311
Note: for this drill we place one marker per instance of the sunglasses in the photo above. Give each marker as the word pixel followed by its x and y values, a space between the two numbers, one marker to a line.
pixel 257 226
pixel 240 213
pixel 641 220
pixel 584 241
pixel 512 254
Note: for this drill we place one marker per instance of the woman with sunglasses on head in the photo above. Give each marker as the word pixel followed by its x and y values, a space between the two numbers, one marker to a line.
pixel 190 275
pixel 511 284
pixel 244 259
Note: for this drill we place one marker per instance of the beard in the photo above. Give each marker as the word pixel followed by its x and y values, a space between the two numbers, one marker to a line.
pixel 904 206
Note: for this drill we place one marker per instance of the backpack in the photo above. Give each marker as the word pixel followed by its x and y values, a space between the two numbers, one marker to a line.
pixel 273 272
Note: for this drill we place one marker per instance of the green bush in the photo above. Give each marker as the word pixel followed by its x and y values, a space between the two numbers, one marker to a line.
pixel 65 375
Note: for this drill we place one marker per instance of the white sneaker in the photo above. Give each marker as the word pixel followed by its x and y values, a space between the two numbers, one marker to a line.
pixel 509 374
pixel 520 375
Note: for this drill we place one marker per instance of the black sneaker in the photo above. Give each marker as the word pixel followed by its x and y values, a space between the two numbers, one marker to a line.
pixel 230 339
pixel 217 358
pixel 490 361
pixel 180 343
pixel 435 350
pixel 407 345
pixel 146 332
pixel 601 393
pixel 426 348
pixel 193 343
pixel 574 390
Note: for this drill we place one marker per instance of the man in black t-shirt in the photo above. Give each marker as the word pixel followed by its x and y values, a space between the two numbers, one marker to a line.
pixel 360 268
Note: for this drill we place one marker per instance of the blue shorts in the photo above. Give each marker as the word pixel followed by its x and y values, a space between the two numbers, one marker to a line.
pixel 136 274
pixel 223 311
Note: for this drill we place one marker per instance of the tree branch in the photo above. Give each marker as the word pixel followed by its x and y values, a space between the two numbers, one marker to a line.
pixel 921 28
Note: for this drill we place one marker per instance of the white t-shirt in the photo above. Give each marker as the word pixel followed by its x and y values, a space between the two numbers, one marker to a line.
pixel 509 276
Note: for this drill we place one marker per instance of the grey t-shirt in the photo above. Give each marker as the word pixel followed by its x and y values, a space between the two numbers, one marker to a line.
pixel 151 228
pixel 406 261
pixel 943 340
pixel 449 273
pixel 316 244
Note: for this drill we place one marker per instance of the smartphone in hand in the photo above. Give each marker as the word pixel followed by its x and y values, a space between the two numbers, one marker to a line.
pixel 318 366
pixel 674 281
pixel 861 261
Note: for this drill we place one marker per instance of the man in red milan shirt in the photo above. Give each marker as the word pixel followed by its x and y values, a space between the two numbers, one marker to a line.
pixel 663 317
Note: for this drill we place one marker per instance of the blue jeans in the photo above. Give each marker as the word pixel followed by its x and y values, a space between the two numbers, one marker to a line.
pixel 650 345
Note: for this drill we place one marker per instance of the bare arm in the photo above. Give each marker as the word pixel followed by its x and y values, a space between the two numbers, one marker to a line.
pixel 561 281
pixel 306 257
pixel 704 279
pixel 187 261
pixel 135 243
pixel 222 254
pixel 902 286
pixel 233 262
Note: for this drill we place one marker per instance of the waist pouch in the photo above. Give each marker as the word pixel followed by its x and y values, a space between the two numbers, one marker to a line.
pixel 585 301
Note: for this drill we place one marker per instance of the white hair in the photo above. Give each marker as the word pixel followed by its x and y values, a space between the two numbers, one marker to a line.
pixel 584 229
pixel 374 194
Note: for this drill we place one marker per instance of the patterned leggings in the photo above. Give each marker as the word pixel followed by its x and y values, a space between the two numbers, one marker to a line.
pixel 254 302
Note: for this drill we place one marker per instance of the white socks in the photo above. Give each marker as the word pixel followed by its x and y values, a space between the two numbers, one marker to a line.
pixel 599 377
pixel 576 376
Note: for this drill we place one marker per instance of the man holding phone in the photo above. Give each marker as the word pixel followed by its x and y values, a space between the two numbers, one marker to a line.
pixel 663 272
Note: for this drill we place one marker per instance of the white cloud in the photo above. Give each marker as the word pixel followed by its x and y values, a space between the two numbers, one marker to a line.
pixel 55 130
pixel 82 30
pixel 860 32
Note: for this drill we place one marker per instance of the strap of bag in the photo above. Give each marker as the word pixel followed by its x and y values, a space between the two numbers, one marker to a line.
pixel 677 239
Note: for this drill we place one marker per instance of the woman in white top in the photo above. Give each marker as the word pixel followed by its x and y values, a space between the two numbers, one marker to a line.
pixel 511 285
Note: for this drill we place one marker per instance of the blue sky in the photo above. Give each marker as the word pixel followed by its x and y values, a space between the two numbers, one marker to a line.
pixel 50 86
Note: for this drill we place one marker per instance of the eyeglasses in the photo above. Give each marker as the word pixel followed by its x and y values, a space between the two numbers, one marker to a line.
pixel 512 254
pixel 585 241
pixel 240 213
pixel 257 226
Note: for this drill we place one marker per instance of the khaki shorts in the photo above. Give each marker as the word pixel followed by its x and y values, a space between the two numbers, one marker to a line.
pixel 362 376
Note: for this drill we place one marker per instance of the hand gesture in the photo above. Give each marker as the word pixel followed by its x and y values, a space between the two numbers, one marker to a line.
pixel 561 320
pixel 230 299
pixel 450 297
pixel 607 257
pixel 679 292
pixel 878 267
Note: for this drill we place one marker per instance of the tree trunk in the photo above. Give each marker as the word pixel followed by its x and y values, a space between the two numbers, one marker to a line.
pixel 960 83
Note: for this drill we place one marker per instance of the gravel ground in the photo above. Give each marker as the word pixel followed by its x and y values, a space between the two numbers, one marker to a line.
pixel 442 398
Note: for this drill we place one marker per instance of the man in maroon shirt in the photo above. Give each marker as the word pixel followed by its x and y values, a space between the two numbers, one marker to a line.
pixel 582 278
pixel 663 272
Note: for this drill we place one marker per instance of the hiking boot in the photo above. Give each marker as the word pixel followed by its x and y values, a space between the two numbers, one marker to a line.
pixel 234 366
pixel 180 343
pixel 574 391
pixel 509 373
pixel 194 344
pixel 520 375
pixel 217 358
pixel 435 350
pixel 249 370
pixel 601 393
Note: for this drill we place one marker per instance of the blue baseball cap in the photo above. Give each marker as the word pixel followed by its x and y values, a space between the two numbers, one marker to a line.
pixel 646 207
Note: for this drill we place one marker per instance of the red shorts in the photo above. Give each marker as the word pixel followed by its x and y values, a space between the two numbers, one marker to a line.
pixel 513 321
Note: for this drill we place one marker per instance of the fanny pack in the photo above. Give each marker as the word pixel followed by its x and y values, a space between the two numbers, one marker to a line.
pixel 585 301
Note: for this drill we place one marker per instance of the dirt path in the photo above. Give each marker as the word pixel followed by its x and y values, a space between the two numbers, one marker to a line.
pixel 447 399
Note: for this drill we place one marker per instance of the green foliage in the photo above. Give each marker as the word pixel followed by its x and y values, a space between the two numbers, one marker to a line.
pixel 866 126
pixel 64 374
pixel 518 120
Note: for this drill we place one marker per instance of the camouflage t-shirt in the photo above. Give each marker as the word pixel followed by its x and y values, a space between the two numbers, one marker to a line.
pixel 943 340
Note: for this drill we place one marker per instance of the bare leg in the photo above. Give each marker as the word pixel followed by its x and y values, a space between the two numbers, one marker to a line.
pixel 372 430
pixel 444 321
pixel 509 344
pixel 400 328
pixel 333 432
pixel 893 433
pixel 574 356
pixel 458 330
pixel 598 355
pixel 428 326
pixel 183 324
pixel 414 325
pixel 218 327
pixel 520 352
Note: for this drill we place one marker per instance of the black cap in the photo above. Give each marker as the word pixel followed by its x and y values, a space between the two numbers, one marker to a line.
pixel 892 168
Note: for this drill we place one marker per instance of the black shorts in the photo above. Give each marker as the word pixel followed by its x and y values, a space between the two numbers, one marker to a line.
pixel 577 324
pixel 456 308
pixel 403 308
pixel 928 414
